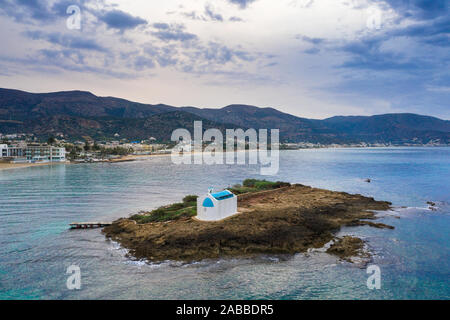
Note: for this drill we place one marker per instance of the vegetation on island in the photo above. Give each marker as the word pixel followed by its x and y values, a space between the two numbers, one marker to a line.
pixel 188 208
pixel 255 185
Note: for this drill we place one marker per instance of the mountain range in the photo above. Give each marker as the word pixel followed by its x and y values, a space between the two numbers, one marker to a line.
pixel 79 114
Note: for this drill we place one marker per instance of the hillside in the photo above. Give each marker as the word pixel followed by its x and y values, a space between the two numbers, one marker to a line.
pixel 79 113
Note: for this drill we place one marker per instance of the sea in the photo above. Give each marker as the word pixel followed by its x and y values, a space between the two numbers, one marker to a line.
pixel 37 247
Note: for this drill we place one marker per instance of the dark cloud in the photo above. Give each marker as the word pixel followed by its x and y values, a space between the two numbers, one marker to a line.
pixel 220 54
pixel 120 20
pixel 76 57
pixel 83 51
pixel 418 9
pixel 38 11
pixel 235 19
pixel 165 56
pixel 173 33
pixel 69 40
pixel 314 41
pixel 49 61
pixel 399 64
pixel 193 16
pixel 208 15
pixel 27 10
pixel 368 53
pixel 60 7
pixel 161 26
pixel 242 3
pixel 212 15
pixel 427 28
pixel 142 62
pixel 312 51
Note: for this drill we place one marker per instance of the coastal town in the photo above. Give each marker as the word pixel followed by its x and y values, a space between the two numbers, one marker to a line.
pixel 22 150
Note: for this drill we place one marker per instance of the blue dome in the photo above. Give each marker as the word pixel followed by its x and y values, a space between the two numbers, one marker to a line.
pixel 208 203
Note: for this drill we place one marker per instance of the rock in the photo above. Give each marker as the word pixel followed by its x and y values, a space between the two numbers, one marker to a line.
pixel 281 221
pixel 348 247
pixel 432 205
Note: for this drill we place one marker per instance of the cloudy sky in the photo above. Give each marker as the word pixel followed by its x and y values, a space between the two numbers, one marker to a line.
pixel 311 58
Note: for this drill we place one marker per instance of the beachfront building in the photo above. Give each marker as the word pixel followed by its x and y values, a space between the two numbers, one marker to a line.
pixel 11 151
pixel 33 153
pixel 3 150
pixel 43 153
pixel 216 206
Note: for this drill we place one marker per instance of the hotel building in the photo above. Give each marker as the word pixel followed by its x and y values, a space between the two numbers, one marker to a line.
pixel 33 153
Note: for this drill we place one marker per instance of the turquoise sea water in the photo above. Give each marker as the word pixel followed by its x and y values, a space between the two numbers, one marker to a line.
pixel 36 247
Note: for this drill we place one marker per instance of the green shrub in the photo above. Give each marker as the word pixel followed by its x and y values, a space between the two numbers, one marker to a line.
pixel 249 183
pixel 253 185
pixel 241 190
pixel 190 200
pixel 170 212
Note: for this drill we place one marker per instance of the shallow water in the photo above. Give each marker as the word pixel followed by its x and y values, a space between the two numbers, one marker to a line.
pixel 36 247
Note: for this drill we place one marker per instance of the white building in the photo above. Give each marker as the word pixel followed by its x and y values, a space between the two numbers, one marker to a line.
pixel 3 150
pixel 45 154
pixel 37 153
pixel 216 206
pixel 11 151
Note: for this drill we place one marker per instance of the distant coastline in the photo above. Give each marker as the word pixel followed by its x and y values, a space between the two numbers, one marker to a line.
pixel 131 158
pixel 80 115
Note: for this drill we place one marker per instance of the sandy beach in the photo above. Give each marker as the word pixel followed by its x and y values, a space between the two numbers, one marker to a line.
pixel 9 166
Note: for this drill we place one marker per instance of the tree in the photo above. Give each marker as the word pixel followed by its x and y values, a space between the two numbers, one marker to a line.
pixel 51 140
pixel 96 147
pixel 73 154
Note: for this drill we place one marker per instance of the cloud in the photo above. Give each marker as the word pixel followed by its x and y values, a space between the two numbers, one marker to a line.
pixel 174 32
pixel 312 51
pixel 418 9
pixel 26 10
pixel 242 3
pixel 71 41
pixel 193 16
pixel 314 41
pixel 212 15
pixel 161 26
pixel 209 14
pixel 219 54
pixel 117 19
pixel 368 54
pixel 60 7
pixel 142 62
pixel 166 55
pixel 235 19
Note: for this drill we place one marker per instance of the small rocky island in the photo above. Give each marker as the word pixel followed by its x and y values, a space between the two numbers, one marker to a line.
pixel 273 218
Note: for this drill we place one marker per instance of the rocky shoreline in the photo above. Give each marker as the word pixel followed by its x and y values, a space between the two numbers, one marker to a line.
pixel 285 220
